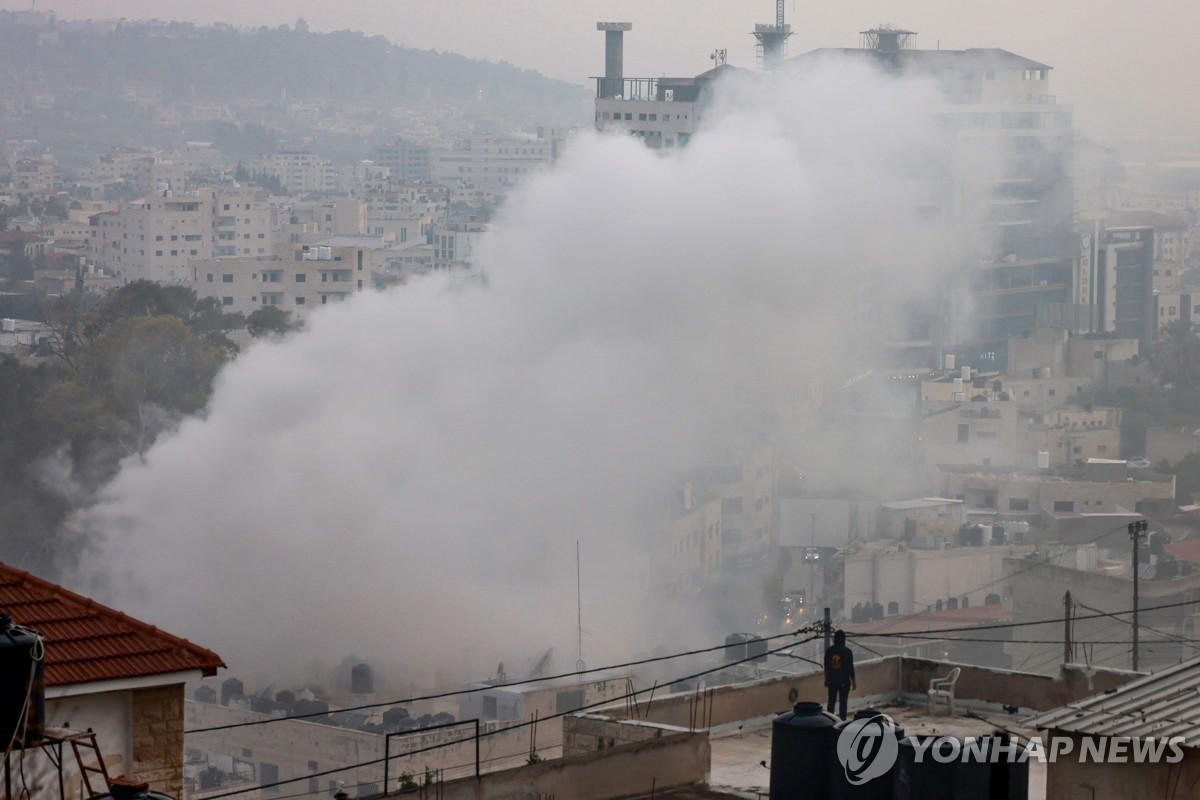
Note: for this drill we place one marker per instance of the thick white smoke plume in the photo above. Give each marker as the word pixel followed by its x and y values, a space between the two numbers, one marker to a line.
pixel 407 479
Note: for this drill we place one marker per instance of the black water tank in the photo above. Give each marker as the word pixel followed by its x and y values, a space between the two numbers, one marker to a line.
pixel 394 714
pixel 121 788
pixel 1009 778
pixel 22 685
pixel 742 646
pixel 362 680
pixel 205 694
pixel 931 779
pixel 803 742
pixel 879 788
pixel 231 687
pixel 285 697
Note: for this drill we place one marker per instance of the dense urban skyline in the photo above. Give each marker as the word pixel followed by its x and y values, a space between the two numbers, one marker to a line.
pixel 1117 69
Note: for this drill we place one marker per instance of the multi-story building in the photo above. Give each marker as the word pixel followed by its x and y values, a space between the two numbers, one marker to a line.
pixel 455 244
pixel 1099 488
pixel 344 216
pixel 995 103
pixel 492 162
pixel 406 161
pixel 300 172
pixel 156 237
pixel 297 278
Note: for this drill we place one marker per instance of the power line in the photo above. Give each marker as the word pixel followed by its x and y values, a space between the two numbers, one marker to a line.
pixel 672 656
pixel 459 692
pixel 1016 572
pixel 1189 642
pixel 607 701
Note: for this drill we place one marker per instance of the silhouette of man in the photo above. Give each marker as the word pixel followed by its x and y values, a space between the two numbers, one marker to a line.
pixel 839 673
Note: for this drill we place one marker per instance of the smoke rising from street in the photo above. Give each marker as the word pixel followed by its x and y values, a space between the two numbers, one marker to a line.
pixel 406 480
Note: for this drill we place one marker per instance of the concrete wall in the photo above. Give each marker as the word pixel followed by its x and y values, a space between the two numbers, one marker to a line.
pixel 880 679
pixel 591 733
pixel 1021 689
pixel 1067 779
pixel 654 765
pixel 916 579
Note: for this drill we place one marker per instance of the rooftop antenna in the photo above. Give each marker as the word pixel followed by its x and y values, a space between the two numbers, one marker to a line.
pixel 579 665
pixel 719 56
pixel 771 39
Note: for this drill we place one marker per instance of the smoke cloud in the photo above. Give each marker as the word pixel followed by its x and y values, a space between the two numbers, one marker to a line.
pixel 407 479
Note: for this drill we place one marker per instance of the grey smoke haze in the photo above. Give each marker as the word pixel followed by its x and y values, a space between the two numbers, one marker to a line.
pixel 407 479
pixel 1126 68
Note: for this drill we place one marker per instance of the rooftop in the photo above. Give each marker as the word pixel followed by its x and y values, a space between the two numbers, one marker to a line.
pixel 1165 703
pixel 87 642
pixel 738 755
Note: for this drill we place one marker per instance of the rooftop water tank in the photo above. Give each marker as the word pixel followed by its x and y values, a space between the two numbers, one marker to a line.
pixel 231 687
pixel 362 679
pixel 867 725
pixel 22 685
pixel 122 788
pixel 803 743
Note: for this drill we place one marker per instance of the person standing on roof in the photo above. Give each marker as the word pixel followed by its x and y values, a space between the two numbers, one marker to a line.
pixel 839 673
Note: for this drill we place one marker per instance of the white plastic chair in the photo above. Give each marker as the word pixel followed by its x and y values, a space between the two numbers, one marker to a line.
pixel 943 688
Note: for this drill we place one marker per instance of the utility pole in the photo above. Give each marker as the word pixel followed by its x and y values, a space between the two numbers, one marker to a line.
pixel 1136 531
pixel 1067 650
pixel 828 629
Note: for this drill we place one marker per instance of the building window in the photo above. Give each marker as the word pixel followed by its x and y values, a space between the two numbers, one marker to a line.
pixel 1064 505
pixel 964 433
pixel 268 774
pixel 227 278
pixel 226 301
pixel 210 277
pixel 1018 504
pixel 299 301
pixel 300 277
pixel 156 252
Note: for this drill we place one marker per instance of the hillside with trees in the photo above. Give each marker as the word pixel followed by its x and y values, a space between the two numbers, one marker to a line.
pixel 89 75
pixel 113 380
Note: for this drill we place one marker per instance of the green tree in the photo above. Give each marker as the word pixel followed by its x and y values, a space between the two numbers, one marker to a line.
pixel 269 321
pixel 1175 357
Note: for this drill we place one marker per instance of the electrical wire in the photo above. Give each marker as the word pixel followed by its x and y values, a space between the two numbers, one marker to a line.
pixel 1016 572
pixel 523 682
pixel 672 656
pixel 1189 642
pixel 607 701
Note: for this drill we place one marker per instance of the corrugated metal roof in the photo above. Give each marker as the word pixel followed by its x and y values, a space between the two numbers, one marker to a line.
pixel 1165 703
pixel 87 642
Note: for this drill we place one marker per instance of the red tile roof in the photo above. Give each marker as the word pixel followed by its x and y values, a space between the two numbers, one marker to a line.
pixel 87 642
pixel 13 236
pixel 1185 551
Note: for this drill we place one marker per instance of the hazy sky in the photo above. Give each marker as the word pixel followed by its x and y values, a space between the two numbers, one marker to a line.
pixel 1129 68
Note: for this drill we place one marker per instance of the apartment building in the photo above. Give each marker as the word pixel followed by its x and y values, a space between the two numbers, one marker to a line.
pixel 157 237
pixel 296 278
pixel 492 162
pixel 343 216
pixel 406 161
pixel 301 172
